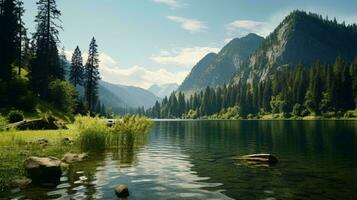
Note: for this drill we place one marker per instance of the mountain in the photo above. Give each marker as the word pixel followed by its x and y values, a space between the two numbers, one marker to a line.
pixel 216 69
pixel 301 38
pixel 163 90
pixel 114 95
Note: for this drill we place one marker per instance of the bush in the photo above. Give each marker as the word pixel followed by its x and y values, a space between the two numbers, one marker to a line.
pixel 63 95
pixel 15 116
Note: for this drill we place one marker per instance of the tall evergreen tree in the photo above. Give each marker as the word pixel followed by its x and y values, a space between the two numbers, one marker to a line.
pixel 45 65
pixel 92 75
pixel 8 31
pixel 77 69
pixel 22 42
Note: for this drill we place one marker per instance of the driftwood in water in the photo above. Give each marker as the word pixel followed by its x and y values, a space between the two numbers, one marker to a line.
pixel 259 158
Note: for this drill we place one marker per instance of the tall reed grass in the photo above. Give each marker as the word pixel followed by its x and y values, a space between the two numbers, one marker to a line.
pixel 95 135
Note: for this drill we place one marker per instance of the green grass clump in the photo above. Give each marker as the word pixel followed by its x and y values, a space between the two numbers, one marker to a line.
pixel 129 131
pixel 93 133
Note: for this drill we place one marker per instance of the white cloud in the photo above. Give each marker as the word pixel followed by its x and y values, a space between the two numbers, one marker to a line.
pixel 185 57
pixel 173 4
pixel 191 25
pixel 243 27
pixel 136 75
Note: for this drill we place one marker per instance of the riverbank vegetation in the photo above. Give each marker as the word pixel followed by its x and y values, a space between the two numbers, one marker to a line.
pixel 87 134
pixel 319 90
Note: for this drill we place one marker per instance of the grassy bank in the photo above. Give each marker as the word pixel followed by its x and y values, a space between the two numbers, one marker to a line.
pixel 87 134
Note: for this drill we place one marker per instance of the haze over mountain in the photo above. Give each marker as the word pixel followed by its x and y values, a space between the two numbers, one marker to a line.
pixel 301 38
pixel 164 89
pixel 216 69
pixel 114 95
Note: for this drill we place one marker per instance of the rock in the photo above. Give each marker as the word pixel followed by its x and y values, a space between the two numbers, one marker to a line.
pixel 122 191
pixel 43 169
pixel 259 158
pixel 21 182
pixel 72 157
pixel 37 124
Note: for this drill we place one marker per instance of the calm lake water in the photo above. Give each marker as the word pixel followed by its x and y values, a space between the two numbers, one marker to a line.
pixel 195 160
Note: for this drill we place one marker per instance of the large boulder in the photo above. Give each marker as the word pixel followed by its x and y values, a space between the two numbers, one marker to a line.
pixel 37 124
pixel 259 158
pixel 73 157
pixel 43 169
pixel 122 191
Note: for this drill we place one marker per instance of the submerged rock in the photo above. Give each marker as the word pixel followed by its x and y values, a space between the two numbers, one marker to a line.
pixel 122 191
pixel 21 182
pixel 73 157
pixel 43 169
pixel 259 158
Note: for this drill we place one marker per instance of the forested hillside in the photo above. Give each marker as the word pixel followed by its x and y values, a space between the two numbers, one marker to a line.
pixel 217 69
pixel 306 67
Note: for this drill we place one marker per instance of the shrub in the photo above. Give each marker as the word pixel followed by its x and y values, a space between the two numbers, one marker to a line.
pixel 63 95
pixel 15 116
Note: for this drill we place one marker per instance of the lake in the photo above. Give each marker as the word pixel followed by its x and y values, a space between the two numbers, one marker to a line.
pixel 195 160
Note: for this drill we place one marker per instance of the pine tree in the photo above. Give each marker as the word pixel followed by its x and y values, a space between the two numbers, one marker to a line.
pixel 46 66
pixel 77 69
pixel 92 75
pixel 22 42
pixel 8 31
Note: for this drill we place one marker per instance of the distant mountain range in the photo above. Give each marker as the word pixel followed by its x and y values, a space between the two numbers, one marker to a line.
pixel 164 89
pixel 115 95
pixel 216 69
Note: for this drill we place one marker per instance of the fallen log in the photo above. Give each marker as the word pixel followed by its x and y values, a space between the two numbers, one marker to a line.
pixel 37 124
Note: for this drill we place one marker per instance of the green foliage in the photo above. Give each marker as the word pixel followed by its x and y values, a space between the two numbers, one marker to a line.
pixel 297 110
pixel 63 95
pixel 277 104
pixel 191 114
pixel 309 103
pixel 3 122
pixel 15 116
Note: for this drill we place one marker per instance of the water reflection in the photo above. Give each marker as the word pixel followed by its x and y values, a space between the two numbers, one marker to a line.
pixel 193 160
pixel 317 159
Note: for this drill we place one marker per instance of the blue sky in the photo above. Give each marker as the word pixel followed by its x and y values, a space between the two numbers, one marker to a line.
pixel 144 42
